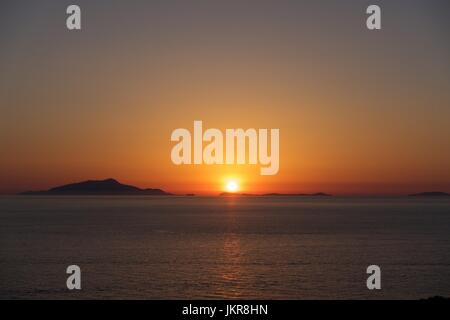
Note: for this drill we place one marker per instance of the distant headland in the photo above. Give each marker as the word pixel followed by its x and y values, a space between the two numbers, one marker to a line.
pixel 318 194
pixel 113 187
pixel 430 194
pixel 98 187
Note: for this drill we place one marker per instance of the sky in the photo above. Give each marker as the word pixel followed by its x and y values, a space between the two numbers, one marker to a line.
pixel 359 111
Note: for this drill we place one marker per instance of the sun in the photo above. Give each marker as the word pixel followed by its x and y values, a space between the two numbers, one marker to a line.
pixel 232 186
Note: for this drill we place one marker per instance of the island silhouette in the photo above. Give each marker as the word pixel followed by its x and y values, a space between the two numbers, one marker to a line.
pixel 317 194
pixel 430 194
pixel 99 187
pixel 113 187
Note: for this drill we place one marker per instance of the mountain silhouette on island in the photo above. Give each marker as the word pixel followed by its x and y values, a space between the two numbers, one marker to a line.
pixel 430 194
pixel 98 187
pixel 114 187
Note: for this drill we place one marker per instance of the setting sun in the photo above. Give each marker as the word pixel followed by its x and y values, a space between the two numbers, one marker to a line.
pixel 232 186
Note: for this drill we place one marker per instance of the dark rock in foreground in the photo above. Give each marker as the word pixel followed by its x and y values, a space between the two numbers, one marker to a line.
pixel 98 187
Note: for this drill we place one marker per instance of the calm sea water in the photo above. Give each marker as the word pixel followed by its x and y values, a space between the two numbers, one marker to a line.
pixel 249 247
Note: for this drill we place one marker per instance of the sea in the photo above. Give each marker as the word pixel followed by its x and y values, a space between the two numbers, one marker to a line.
pixel 170 247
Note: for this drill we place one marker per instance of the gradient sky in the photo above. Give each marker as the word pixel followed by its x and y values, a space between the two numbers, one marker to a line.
pixel 359 111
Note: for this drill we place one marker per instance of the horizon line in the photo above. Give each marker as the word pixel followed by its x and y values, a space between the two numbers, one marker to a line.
pixel 222 192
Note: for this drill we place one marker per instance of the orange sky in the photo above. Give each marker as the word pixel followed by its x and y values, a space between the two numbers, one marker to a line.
pixel 358 112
